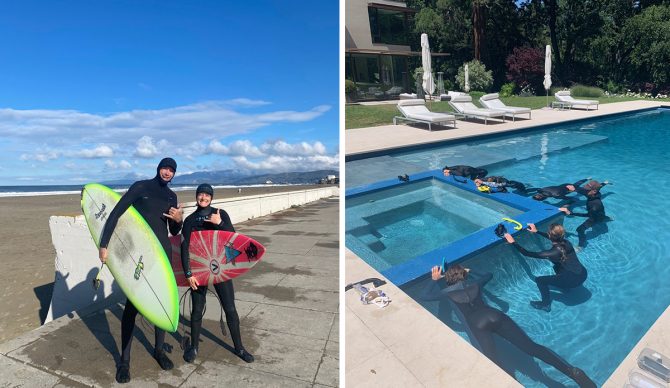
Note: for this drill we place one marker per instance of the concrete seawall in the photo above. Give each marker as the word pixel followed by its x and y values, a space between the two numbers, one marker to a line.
pixel 77 262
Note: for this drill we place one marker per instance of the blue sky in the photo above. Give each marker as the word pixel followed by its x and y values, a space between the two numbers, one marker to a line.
pixel 95 90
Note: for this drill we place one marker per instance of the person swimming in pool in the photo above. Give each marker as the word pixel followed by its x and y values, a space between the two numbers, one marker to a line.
pixel 560 191
pixel 465 171
pixel 569 271
pixel 595 210
pixel 484 320
pixel 499 184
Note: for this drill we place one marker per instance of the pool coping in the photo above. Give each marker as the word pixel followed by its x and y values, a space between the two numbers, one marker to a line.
pixel 443 354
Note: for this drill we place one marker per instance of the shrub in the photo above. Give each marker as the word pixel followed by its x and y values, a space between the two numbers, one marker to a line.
pixel 507 90
pixel 586 91
pixel 479 78
pixel 525 67
pixel 349 86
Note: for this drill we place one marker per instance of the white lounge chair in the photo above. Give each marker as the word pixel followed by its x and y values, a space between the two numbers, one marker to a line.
pixel 415 110
pixel 492 101
pixel 566 99
pixel 464 107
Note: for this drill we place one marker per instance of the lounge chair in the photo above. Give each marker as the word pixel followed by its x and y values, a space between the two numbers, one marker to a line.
pixel 415 110
pixel 565 99
pixel 464 107
pixel 492 101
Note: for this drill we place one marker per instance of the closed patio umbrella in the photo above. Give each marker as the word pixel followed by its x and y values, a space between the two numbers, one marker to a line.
pixel 428 81
pixel 547 71
pixel 467 79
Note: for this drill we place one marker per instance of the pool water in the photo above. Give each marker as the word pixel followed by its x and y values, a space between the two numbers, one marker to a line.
pixel 628 259
pixel 389 226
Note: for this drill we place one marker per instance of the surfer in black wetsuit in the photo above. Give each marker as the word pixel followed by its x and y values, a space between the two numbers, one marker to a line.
pixel 207 217
pixel 157 204
pixel 595 209
pixel 570 272
pixel 484 320
pixel 465 171
pixel 561 191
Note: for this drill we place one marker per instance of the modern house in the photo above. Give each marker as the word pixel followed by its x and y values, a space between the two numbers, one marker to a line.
pixel 378 56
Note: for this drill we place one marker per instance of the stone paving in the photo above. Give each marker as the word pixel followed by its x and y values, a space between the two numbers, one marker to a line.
pixel 288 308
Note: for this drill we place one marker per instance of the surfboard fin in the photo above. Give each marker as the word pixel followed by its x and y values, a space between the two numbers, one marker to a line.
pixel 97 281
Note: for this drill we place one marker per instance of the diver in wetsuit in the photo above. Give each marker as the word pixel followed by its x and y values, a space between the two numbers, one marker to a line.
pixel 465 171
pixel 484 320
pixel 157 204
pixel 207 217
pixel 570 272
pixel 499 184
pixel 595 210
pixel 561 191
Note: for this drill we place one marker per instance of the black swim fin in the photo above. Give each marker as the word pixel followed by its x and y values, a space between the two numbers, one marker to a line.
pixel 500 230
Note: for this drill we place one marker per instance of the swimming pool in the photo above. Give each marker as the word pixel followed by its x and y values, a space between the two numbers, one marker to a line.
pixel 596 326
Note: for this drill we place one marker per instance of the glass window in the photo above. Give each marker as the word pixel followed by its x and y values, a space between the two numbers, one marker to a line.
pixel 388 26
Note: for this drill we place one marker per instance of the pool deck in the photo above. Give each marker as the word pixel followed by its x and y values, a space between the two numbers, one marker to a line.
pixel 363 140
pixel 405 345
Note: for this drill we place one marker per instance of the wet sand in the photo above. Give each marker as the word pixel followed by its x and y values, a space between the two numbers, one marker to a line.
pixel 27 253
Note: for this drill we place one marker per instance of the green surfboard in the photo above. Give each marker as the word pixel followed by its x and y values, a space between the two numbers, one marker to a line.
pixel 135 258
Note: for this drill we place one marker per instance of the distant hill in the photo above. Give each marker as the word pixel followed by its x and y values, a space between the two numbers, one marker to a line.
pixel 232 177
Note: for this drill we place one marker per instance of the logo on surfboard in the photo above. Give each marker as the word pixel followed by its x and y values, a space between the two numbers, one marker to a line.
pixel 214 267
pixel 138 269
pixel 101 213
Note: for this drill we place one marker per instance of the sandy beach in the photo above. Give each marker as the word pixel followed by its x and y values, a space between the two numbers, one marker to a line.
pixel 26 279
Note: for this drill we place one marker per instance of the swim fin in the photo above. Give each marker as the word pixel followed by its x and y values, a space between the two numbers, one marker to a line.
pixel 500 230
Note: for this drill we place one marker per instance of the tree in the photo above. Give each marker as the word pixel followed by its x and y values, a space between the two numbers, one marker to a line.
pixel 525 67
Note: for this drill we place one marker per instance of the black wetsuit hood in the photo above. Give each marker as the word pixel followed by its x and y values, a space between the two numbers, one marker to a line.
pixel 165 162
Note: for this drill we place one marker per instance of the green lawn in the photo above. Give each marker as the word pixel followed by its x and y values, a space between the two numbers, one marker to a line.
pixel 360 116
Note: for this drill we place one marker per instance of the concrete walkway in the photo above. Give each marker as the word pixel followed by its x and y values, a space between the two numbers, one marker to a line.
pixel 288 308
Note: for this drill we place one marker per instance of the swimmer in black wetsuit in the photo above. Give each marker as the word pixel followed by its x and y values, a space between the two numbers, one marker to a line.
pixel 465 171
pixel 485 320
pixel 570 272
pixel 499 184
pixel 157 204
pixel 207 217
pixel 595 210
pixel 561 191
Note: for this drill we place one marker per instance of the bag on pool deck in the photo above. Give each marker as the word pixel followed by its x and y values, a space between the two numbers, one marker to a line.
pixel 372 296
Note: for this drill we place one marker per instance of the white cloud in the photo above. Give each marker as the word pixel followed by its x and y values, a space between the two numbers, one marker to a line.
pixel 124 164
pixel 239 147
pixel 288 163
pixel 180 125
pixel 146 147
pixel 44 156
pixel 246 102
pixel 102 151
pixel 303 148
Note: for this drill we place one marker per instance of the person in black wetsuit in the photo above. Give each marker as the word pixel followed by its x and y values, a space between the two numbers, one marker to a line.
pixel 595 210
pixel 207 217
pixel 157 204
pixel 570 272
pixel 560 191
pixel 484 320
pixel 500 184
pixel 465 171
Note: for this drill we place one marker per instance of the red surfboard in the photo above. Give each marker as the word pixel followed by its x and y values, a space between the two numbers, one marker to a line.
pixel 216 256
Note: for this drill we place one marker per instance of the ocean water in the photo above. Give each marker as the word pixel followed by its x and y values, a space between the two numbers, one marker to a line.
pixel 20 191
pixel 628 259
